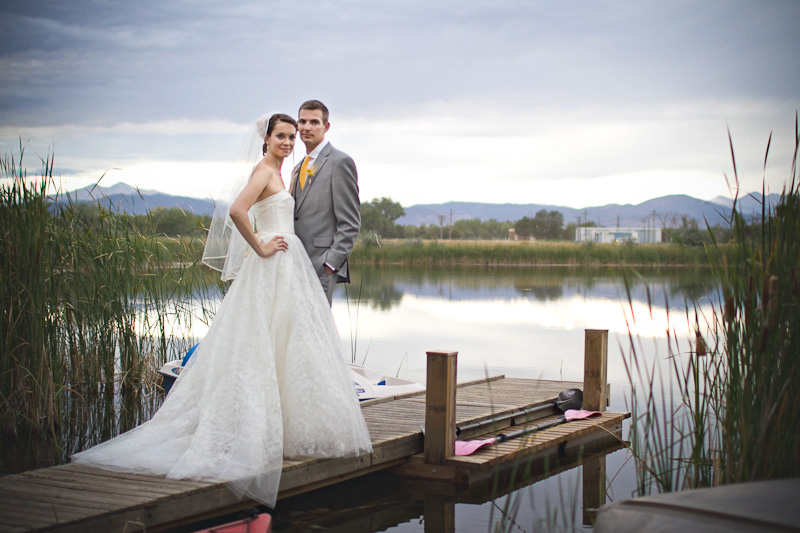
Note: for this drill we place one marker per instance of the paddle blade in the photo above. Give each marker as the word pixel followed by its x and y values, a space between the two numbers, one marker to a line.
pixel 580 414
pixel 468 447
pixel 569 399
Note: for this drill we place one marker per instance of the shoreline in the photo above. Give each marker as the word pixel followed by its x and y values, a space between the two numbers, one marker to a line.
pixel 417 252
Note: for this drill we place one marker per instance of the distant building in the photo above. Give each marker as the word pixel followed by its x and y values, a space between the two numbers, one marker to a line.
pixel 512 234
pixel 606 235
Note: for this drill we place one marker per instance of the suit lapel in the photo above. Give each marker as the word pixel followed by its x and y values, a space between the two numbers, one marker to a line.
pixel 319 162
pixel 293 181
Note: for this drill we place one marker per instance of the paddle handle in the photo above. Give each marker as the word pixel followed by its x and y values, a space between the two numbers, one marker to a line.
pixel 518 413
pixel 567 399
pixel 502 437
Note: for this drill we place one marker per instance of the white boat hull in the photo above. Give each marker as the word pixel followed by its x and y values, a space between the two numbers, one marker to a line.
pixel 368 384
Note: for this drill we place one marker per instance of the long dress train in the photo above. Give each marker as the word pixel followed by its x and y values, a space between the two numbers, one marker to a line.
pixel 268 381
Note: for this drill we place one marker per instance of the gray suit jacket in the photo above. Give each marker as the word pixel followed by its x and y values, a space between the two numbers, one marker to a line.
pixel 327 211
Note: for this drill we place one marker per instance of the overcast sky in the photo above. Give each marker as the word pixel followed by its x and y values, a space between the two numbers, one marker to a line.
pixel 573 103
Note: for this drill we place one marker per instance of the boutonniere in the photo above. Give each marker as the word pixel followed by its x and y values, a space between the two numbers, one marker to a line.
pixel 310 171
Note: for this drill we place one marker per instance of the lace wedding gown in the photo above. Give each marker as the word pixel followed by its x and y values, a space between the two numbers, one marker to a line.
pixel 268 381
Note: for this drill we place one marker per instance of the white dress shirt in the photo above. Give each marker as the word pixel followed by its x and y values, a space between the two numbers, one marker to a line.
pixel 315 152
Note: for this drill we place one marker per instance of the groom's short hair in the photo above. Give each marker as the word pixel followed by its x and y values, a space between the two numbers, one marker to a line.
pixel 316 104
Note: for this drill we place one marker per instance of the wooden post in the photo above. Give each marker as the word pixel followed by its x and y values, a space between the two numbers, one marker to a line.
pixel 440 407
pixel 440 516
pixel 595 369
pixel 594 487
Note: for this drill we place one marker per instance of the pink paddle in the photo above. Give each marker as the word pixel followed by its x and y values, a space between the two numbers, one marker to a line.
pixel 468 447
pixel 580 414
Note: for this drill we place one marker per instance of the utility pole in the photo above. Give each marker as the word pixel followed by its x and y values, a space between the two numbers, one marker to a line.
pixel 441 223
pixel 450 236
pixel 653 228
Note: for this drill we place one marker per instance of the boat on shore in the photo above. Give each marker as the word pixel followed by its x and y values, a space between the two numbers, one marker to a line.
pixel 368 384
pixel 755 506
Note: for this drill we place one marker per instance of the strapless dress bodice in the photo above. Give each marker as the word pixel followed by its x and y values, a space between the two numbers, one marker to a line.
pixel 274 214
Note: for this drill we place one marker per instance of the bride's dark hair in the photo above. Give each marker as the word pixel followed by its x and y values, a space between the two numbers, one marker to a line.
pixel 273 120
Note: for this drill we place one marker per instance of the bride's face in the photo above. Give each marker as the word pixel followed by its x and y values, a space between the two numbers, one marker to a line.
pixel 281 141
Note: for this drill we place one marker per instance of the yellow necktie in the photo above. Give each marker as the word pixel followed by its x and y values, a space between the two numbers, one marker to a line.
pixel 304 172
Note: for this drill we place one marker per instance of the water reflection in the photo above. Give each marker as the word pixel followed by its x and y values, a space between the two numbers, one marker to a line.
pixel 515 498
pixel 89 417
pixel 518 321
pixel 383 287
pixel 522 322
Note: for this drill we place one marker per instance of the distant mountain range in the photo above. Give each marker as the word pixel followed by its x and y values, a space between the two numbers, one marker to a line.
pixel 123 197
pixel 664 211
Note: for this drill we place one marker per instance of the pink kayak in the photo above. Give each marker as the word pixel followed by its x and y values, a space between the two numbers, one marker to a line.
pixel 260 523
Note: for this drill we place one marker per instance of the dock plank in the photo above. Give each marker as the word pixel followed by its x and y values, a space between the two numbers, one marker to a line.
pixel 512 450
pixel 92 475
pixel 81 494
pixel 76 497
pixel 21 508
pixel 106 487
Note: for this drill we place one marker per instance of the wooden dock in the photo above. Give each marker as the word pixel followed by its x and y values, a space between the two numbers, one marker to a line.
pixel 385 499
pixel 80 498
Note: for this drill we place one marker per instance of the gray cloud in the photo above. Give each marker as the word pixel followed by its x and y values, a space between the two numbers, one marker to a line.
pixel 100 61
pixel 515 66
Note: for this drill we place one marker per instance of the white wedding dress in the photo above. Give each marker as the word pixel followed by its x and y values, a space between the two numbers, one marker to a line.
pixel 268 381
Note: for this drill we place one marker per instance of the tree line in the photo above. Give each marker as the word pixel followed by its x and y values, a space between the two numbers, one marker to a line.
pixel 169 221
pixel 379 217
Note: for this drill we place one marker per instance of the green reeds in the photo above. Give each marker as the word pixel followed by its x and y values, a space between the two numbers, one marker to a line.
pixel 729 411
pixel 450 253
pixel 760 324
pixel 90 308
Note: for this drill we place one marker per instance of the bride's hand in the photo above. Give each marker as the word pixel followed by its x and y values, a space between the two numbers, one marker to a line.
pixel 275 244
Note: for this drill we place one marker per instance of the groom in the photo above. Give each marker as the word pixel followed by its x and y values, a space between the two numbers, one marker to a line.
pixel 327 212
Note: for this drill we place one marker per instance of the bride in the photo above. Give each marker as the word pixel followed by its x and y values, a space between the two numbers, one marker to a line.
pixel 269 380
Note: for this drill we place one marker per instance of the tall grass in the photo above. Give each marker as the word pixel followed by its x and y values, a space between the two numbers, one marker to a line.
pixel 90 308
pixel 448 253
pixel 728 409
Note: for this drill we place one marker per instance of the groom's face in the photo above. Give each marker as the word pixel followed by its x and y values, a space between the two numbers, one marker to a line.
pixel 311 127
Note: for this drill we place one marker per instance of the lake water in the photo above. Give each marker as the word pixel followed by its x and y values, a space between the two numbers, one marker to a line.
pixel 525 322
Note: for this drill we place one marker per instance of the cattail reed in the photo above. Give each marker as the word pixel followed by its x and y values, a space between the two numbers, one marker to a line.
pixel 736 416
pixel 91 307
